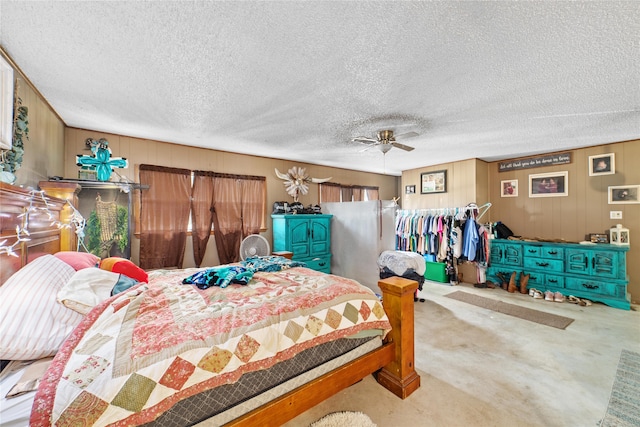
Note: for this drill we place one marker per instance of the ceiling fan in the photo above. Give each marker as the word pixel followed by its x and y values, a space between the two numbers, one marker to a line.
pixel 386 140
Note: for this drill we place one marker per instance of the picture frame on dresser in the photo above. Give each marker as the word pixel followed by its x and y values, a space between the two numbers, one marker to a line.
pixel 602 164
pixel 624 194
pixel 551 184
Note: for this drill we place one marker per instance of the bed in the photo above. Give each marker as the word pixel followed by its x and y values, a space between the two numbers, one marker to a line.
pixel 178 367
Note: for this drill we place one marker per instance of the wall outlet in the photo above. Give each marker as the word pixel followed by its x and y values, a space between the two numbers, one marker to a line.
pixel 615 214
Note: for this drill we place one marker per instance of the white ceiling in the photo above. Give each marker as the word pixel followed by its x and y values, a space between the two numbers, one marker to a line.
pixel 298 79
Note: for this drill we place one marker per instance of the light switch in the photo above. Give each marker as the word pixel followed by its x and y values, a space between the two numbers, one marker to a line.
pixel 615 214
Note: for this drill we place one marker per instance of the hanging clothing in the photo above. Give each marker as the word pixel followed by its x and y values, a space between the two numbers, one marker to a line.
pixel 471 239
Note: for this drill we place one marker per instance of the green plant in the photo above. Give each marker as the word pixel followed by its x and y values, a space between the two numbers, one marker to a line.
pixel 12 159
pixel 93 233
pixel 122 228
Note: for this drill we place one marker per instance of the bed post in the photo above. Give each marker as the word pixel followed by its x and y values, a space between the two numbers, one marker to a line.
pixel 399 376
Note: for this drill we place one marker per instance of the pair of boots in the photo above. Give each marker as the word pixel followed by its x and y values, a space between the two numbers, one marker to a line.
pixel 511 286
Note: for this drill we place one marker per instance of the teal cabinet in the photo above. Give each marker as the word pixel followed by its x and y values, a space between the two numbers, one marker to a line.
pixel 506 253
pixel 595 262
pixel 596 272
pixel 308 237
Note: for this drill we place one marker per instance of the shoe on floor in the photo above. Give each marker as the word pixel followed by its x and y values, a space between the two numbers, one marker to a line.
pixel 558 297
pixel 532 291
pixel 537 294
pixel 584 302
pixel 573 300
pixel 548 296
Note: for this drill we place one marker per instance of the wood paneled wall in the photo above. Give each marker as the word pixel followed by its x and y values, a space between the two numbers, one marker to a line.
pixel 44 150
pixel 466 183
pixel 142 151
pixel 585 210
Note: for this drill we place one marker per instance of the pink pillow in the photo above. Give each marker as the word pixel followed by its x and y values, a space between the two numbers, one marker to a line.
pixel 78 260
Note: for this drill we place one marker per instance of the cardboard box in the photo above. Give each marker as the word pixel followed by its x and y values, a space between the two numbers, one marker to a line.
pixel 469 272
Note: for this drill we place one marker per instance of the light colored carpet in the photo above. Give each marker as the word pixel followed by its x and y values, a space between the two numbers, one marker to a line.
pixel 344 419
pixel 624 403
pixel 537 316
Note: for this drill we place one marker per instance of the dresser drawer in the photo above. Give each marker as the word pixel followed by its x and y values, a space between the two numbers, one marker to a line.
pixel 319 263
pixel 534 251
pixel 542 281
pixel 536 280
pixel 544 264
pixel 554 281
pixel 551 252
pixel 595 286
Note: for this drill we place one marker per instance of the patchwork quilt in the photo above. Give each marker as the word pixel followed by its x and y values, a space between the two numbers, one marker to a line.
pixel 138 353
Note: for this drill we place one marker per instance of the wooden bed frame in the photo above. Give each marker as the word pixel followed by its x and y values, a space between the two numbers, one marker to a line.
pixel 392 364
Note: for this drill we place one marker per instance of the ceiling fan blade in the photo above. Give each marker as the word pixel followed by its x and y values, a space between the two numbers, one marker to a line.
pixel 406 135
pixel 364 140
pixel 367 148
pixel 402 146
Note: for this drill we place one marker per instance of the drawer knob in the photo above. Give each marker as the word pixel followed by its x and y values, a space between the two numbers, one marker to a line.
pixel 532 251
pixel 553 281
pixel 588 286
pixel 542 264
pixel 553 252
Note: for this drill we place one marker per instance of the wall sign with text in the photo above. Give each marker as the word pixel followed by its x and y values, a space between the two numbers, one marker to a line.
pixel 535 162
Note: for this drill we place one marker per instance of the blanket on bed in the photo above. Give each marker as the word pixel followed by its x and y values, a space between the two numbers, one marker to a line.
pixel 139 352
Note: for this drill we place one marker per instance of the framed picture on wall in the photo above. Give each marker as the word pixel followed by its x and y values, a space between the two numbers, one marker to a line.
pixel 602 164
pixel 433 182
pixel 552 184
pixel 624 194
pixel 409 189
pixel 509 188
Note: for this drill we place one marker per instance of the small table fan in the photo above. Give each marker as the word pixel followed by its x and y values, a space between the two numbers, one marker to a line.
pixel 254 245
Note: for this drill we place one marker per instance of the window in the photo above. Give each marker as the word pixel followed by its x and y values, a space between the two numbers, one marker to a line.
pixel 6 104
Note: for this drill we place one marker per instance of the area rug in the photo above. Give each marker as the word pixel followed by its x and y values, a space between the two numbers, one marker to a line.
pixel 624 403
pixel 536 316
pixel 344 419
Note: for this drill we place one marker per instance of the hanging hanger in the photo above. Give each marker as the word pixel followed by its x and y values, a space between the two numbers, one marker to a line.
pixel 486 207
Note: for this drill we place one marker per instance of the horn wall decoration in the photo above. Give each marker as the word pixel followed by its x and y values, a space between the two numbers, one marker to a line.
pixel 296 181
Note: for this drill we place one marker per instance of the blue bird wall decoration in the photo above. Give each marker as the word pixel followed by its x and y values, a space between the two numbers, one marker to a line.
pixel 101 160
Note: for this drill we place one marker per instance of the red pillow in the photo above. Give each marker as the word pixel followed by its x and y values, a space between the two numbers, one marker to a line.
pixel 124 266
pixel 78 260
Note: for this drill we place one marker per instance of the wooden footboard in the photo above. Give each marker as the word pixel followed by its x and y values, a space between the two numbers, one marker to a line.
pixel 392 364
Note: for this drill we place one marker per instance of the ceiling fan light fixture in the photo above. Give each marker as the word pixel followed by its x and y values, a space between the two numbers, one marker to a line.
pixel 384 148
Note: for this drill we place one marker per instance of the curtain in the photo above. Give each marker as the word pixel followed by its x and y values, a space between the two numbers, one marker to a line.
pixel 334 192
pixel 238 206
pixel 373 193
pixel 164 216
pixel 329 192
pixel 201 213
pixel 347 194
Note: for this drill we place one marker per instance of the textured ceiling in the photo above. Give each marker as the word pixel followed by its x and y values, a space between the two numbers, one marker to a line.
pixel 298 80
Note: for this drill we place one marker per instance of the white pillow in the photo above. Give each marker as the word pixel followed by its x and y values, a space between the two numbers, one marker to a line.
pixel 87 288
pixel 32 322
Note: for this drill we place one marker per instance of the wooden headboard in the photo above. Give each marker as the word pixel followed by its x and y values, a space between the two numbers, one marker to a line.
pixel 44 236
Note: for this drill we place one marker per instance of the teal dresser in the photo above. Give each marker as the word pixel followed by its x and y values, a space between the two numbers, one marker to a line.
pixel 307 236
pixel 596 272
